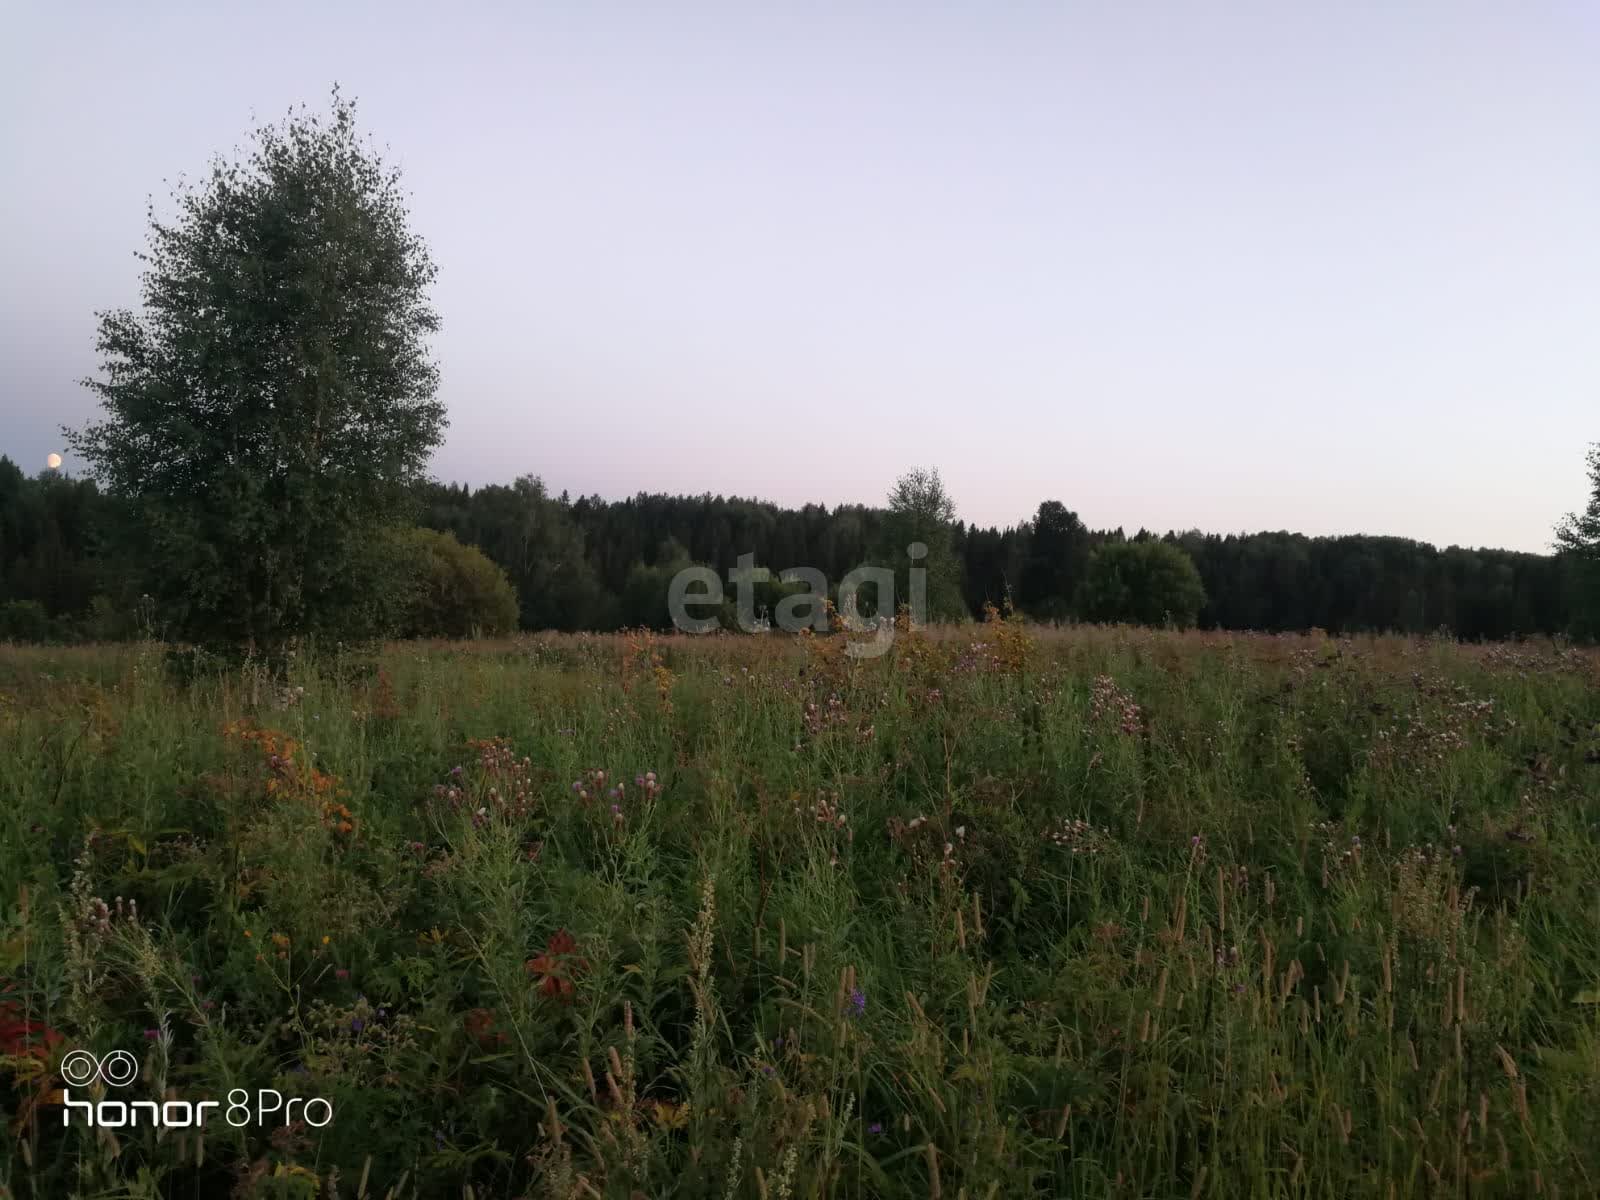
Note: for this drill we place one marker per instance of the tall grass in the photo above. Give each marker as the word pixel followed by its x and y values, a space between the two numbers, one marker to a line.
pixel 1098 913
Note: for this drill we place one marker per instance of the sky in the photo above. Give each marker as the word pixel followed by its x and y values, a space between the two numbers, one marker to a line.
pixel 1235 266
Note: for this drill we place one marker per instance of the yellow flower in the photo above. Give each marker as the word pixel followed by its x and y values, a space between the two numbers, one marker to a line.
pixel 324 939
pixel 671 1116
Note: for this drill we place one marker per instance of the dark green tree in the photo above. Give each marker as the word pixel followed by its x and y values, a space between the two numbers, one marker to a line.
pixel 1578 542
pixel 922 512
pixel 451 590
pixel 1058 554
pixel 537 542
pixel 267 409
pixel 1146 582
pixel 645 594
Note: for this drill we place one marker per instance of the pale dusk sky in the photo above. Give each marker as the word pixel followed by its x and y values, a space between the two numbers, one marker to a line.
pixel 1239 266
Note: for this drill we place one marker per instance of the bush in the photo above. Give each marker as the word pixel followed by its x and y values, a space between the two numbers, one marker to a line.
pixel 1143 583
pixel 24 621
pixel 452 590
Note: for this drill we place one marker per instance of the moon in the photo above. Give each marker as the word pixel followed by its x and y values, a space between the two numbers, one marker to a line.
pixel 53 462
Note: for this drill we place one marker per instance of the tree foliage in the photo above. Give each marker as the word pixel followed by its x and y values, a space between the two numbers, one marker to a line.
pixel 451 590
pixel 63 545
pixel 267 409
pixel 541 548
pixel 1578 539
pixel 1579 533
pixel 1059 546
pixel 921 512
pixel 1146 582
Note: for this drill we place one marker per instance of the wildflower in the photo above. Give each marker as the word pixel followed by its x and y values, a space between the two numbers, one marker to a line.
pixel 671 1116
pixel 151 1035
pixel 324 939
pixel 875 1128
pixel 480 1026
pixel 341 973
pixel 556 966
pixel 357 1024
pixel 858 1002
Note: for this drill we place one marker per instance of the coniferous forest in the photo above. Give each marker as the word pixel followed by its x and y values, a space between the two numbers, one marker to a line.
pixel 70 569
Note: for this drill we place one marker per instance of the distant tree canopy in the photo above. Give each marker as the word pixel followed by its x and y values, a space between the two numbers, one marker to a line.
pixel 535 539
pixel 1057 558
pixel 269 410
pixel 64 548
pixel 1578 540
pixel 1143 583
pixel 922 514
pixel 52 540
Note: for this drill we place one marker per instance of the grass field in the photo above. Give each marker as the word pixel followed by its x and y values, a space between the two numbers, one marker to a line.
pixel 1089 913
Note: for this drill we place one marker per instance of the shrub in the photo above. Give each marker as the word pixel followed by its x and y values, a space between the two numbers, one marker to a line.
pixel 24 621
pixel 452 590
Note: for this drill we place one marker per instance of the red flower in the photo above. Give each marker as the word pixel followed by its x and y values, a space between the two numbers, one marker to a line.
pixel 479 1024
pixel 557 966
pixel 22 1038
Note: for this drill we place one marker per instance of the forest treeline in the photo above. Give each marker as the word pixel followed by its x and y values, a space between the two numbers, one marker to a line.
pixel 69 569
pixel 257 475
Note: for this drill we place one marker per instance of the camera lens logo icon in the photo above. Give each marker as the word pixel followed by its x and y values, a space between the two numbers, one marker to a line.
pixel 80 1068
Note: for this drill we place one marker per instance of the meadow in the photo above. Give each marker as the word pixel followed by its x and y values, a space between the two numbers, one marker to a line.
pixel 1006 912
